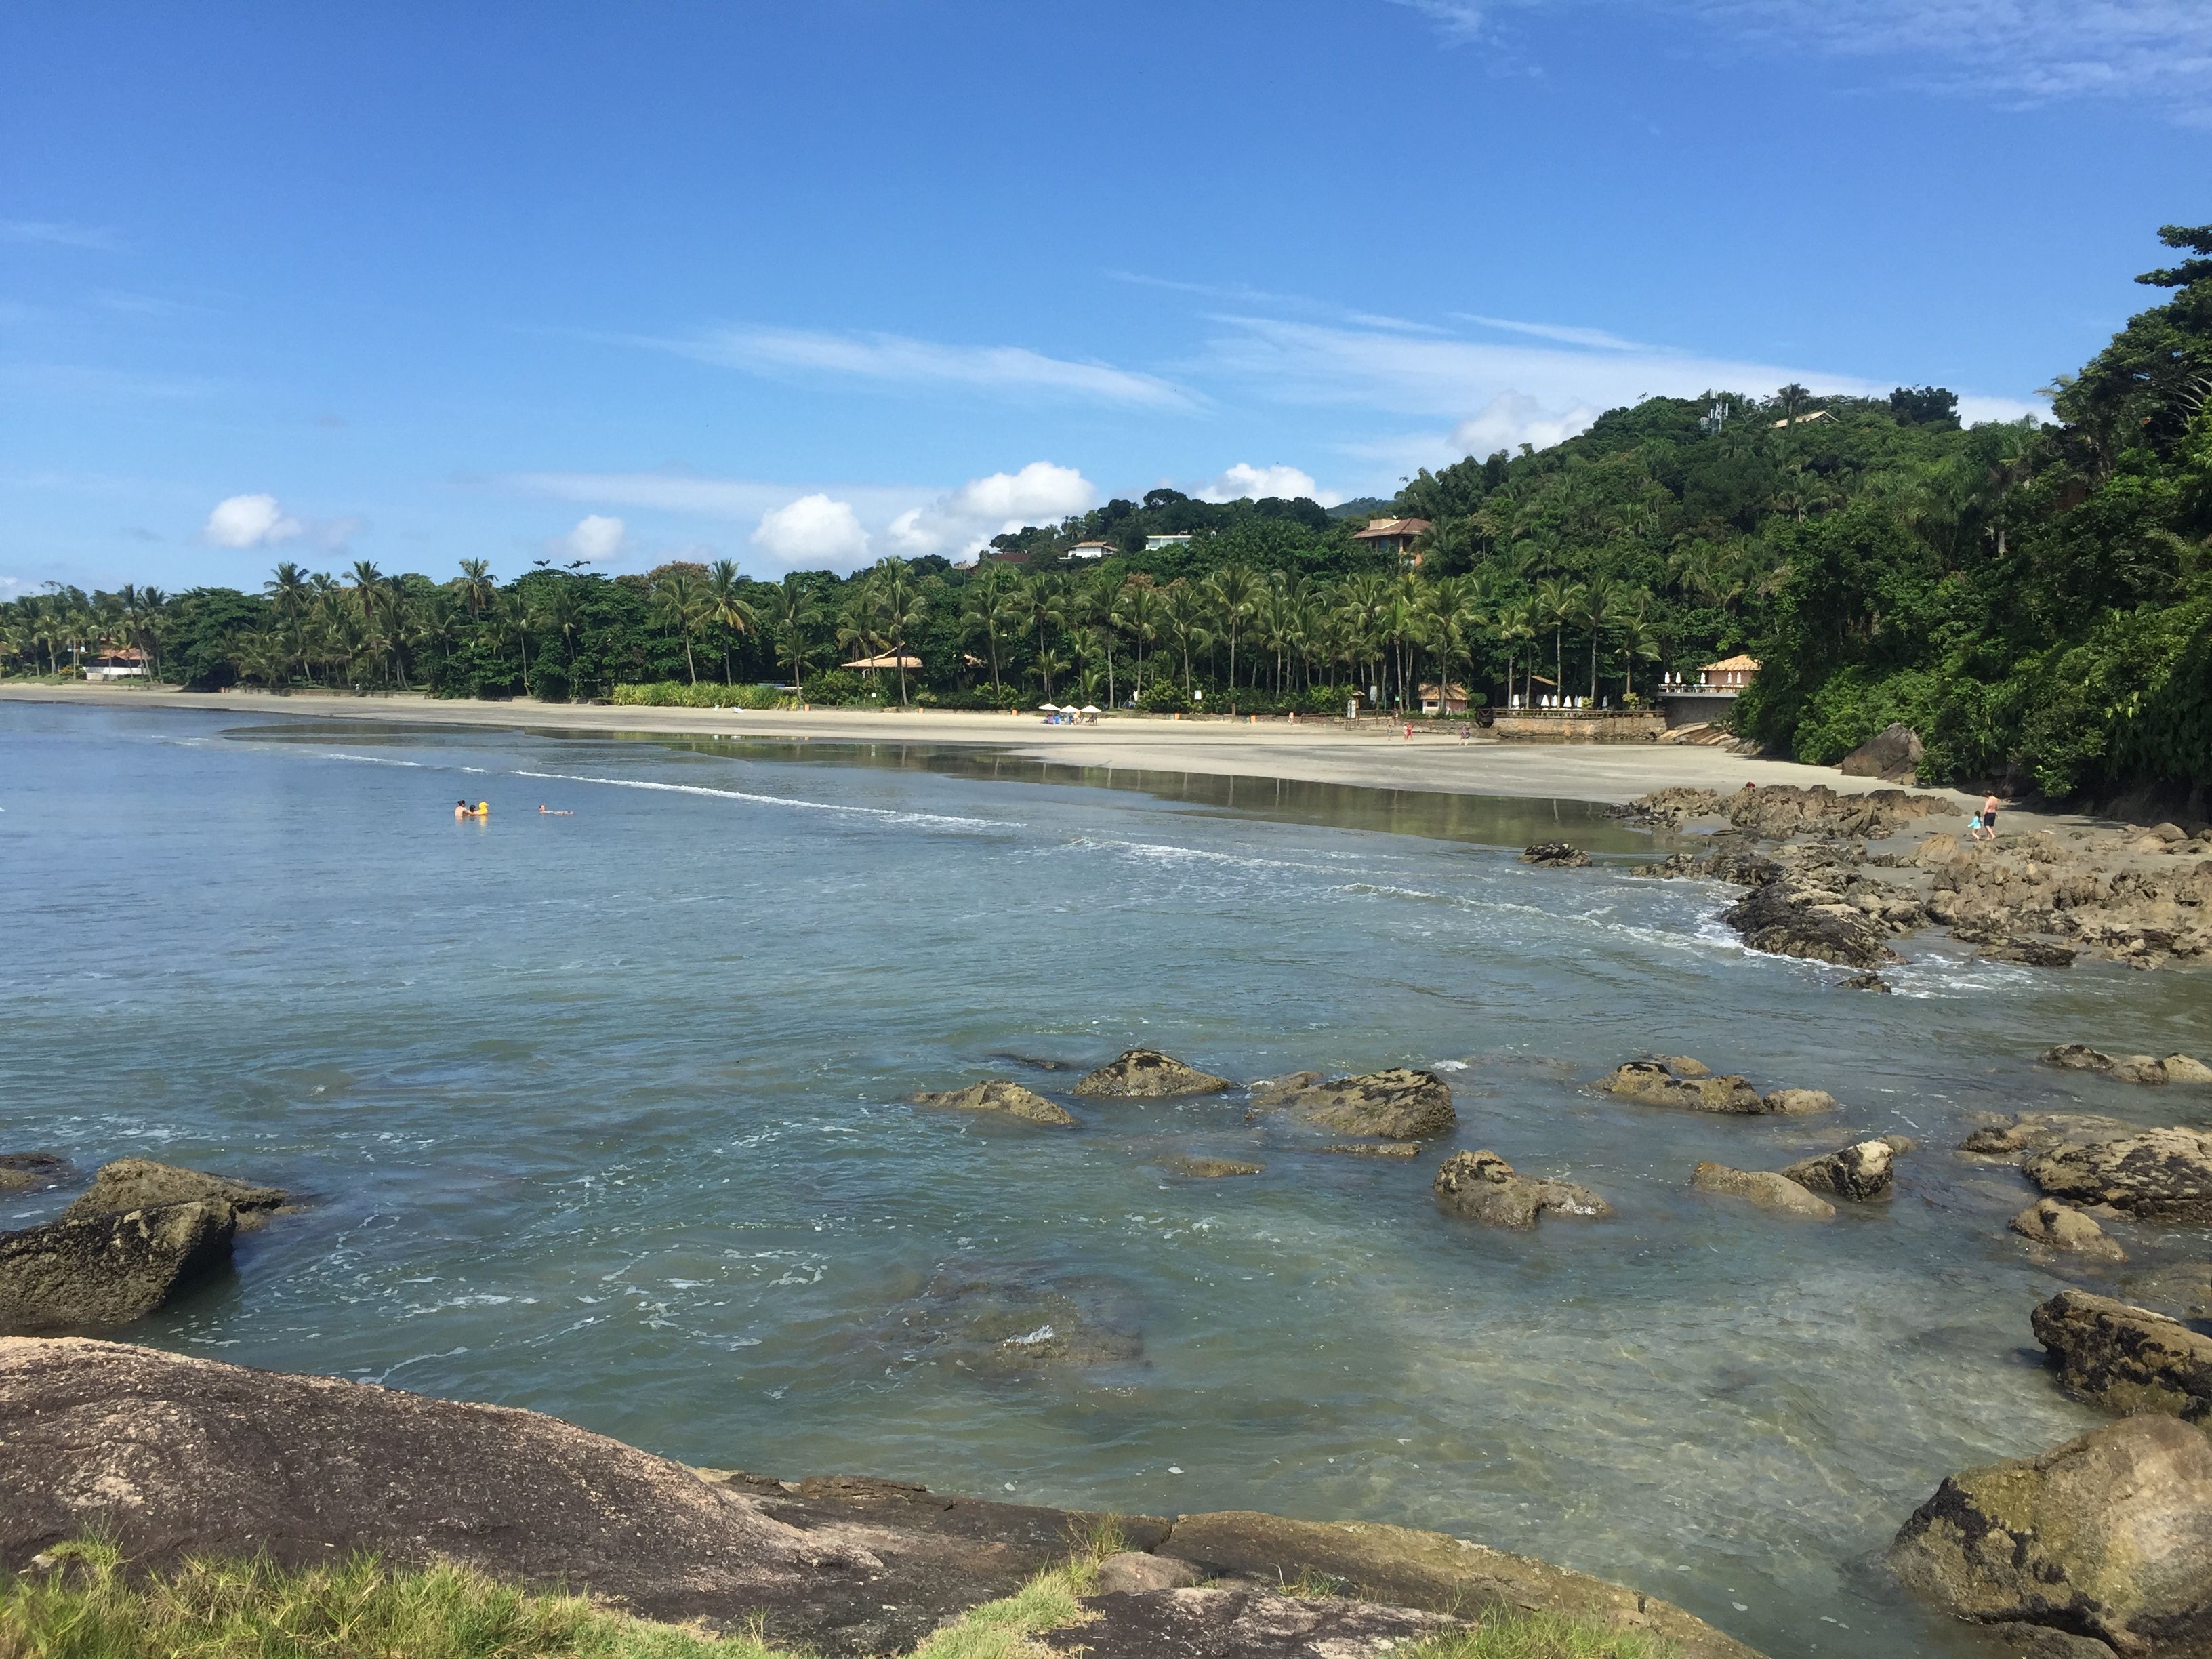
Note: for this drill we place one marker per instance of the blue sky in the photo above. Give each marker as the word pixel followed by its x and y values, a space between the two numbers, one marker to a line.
pixel 809 283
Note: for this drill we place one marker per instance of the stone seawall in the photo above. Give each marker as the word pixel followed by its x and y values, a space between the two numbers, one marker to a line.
pixel 1597 726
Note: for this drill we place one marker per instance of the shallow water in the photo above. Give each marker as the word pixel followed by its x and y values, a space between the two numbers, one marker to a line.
pixel 603 1117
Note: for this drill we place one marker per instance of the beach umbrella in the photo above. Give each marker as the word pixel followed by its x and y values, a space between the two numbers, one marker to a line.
pixel 1049 708
pixel 1088 709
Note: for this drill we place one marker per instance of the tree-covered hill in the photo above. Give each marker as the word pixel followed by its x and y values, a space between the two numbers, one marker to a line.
pixel 2033 599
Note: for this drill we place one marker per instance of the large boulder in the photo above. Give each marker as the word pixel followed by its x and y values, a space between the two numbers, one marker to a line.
pixel 1663 1083
pixel 29 1172
pixel 1483 1186
pixel 1148 1074
pixel 1764 1187
pixel 1892 753
pixel 88 1273
pixel 2064 1230
pixel 1397 1105
pixel 2161 1175
pixel 2032 1133
pixel 2126 1359
pixel 139 1183
pixel 1861 1171
pixel 1403 1567
pixel 2108 1536
pixel 1003 1098
pixel 1785 919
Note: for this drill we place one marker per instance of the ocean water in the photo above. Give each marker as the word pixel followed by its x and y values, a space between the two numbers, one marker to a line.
pixel 604 1115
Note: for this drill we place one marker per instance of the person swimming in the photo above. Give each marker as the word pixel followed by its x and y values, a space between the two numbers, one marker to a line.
pixel 463 810
pixel 554 811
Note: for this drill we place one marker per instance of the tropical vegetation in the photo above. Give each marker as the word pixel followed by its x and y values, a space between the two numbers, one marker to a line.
pixel 2035 598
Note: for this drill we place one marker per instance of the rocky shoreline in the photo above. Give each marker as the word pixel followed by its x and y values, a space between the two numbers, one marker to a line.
pixel 177 1456
pixel 1833 878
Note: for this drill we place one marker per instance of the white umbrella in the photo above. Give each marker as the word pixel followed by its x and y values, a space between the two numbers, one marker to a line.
pixel 1088 709
pixel 1049 708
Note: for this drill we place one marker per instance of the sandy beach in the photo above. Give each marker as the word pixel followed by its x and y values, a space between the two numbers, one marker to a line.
pixel 1376 756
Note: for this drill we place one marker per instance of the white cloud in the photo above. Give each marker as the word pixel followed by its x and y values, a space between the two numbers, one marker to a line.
pixel 1567 335
pixel 813 531
pixel 596 538
pixel 1456 21
pixel 1514 418
pixel 717 498
pixel 244 521
pixel 1014 370
pixel 1259 482
pixel 967 518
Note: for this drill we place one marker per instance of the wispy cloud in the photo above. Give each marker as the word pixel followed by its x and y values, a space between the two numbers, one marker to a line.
pixel 1597 338
pixel 689 494
pixel 1457 21
pixel 49 232
pixel 893 359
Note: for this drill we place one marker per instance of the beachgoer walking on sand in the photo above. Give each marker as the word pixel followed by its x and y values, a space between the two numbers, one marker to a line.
pixel 1973 826
pixel 1409 730
pixel 1989 804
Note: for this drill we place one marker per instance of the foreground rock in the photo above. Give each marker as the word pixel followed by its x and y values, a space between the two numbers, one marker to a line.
pixel 1789 918
pixel 1401 1567
pixel 138 1183
pixel 1007 1099
pixel 184 1456
pixel 31 1172
pixel 1690 1085
pixel 1148 1074
pixel 2128 1068
pixel 2031 1134
pixel 2126 1359
pixel 1397 1105
pixel 2061 1228
pixel 1483 1186
pixel 1555 855
pixel 1861 1171
pixel 2163 1175
pixel 88 1273
pixel 2109 1536
pixel 1764 1188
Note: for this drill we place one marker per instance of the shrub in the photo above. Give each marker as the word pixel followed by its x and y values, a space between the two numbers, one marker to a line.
pixel 1164 697
pixel 676 693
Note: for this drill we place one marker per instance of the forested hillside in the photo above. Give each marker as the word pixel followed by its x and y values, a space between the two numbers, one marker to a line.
pixel 2034 599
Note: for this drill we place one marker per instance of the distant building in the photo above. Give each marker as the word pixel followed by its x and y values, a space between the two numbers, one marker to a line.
pixel 1454 700
pixel 1002 556
pixel 1176 538
pixel 1092 550
pixel 1709 698
pixel 1734 673
pixel 1806 419
pixel 127 664
pixel 1394 535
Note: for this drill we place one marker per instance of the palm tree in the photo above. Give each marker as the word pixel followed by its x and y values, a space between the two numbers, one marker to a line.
pixel 1639 640
pixel 990 608
pixel 1557 601
pixel 791 611
pixel 1138 611
pixel 900 605
pixel 288 591
pixel 1234 592
pixel 1518 621
pixel 477 585
pixel 1593 609
pixel 677 600
pixel 727 604
pixel 1186 612
pixel 368 582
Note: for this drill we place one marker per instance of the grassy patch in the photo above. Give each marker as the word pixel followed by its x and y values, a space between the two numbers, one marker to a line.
pixel 1508 1633
pixel 354 1609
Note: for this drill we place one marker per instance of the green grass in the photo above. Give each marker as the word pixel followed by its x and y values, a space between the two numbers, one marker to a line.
pixel 1508 1633
pixel 87 1608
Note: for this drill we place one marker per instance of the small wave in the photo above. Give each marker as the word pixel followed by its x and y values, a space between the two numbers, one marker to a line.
pixel 369 760
pixel 1170 855
pixel 887 813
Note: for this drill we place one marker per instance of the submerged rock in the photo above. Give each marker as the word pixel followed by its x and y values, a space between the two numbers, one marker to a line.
pixel 1403 1567
pixel 1148 1074
pixel 1864 983
pixel 1555 855
pixel 139 1183
pixel 1657 1083
pixel 1397 1105
pixel 28 1172
pixel 2128 1068
pixel 1009 1322
pixel 2126 1359
pixel 2034 1133
pixel 1797 1102
pixel 1007 1099
pixel 2061 1227
pixel 1374 1149
pixel 1483 1186
pixel 89 1272
pixel 1208 1169
pixel 1861 1171
pixel 2109 1536
pixel 2164 1174
pixel 1764 1188
pixel 2185 1291
pixel 2028 952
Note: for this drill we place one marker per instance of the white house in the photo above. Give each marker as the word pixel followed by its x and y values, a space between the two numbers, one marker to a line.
pixel 127 664
pixel 1178 539
pixel 1092 550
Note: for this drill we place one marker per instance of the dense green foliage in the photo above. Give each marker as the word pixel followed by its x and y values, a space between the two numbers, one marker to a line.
pixel 2033 599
